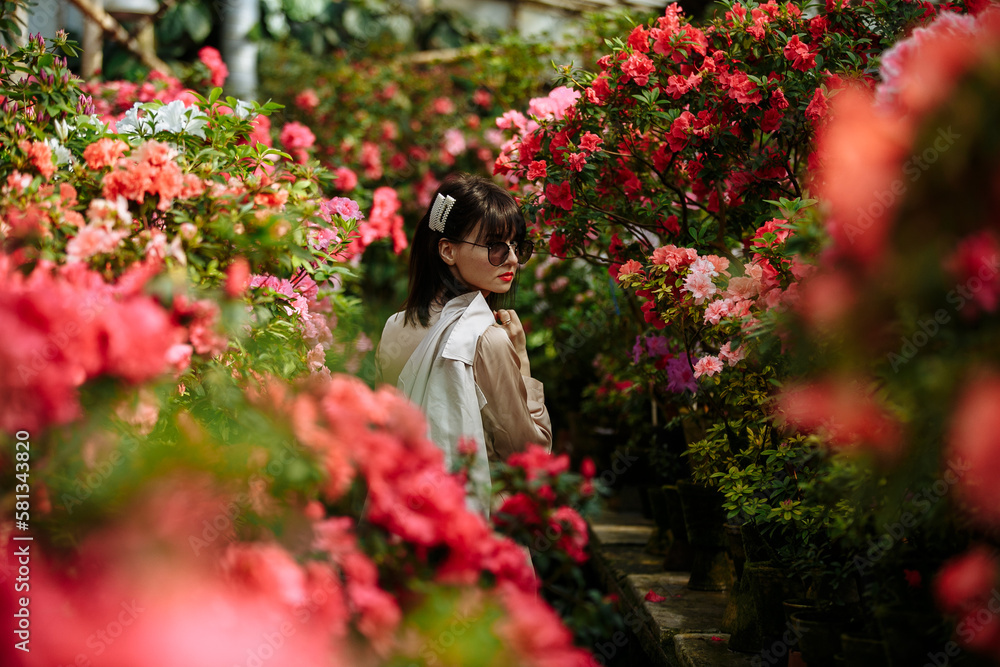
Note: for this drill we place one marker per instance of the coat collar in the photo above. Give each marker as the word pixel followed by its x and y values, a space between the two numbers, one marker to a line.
pixel 472 317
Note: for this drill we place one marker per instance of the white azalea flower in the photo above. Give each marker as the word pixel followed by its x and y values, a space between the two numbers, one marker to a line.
pixel 178 119
pixel 63 156
pixel 62 130
pixel 195 123
pixel 170 118
pixel 131 123
pixel 244 110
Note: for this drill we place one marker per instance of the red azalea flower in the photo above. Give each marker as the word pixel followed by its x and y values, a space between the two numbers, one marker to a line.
pixel 560 195
pixel 799 53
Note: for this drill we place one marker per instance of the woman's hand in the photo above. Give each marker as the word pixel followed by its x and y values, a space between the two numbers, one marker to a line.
pixel 511 323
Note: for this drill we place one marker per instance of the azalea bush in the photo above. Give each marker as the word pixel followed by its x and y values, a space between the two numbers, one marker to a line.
pixel 544 507
pixel 895 328
pixel 694 141
pixel 175 443
pixel 687 167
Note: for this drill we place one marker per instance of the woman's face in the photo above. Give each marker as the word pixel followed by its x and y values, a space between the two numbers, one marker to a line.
pixel 471 265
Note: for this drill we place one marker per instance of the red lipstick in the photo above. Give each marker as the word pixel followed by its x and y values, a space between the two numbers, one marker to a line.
pixel 507 277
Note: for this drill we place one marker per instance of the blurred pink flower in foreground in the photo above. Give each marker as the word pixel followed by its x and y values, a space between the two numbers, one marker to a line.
pixel 974 439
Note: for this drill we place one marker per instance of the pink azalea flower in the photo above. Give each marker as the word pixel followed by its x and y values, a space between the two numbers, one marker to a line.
pixel 576 161
pixel 680 377
pixel 590 142
pixel 716 311
pixel 966 581
pixel 443 106
pixel 104 152
pixel 699 284
pixel 845 412
pixel 554 105
pixel 307 100
pixel 974 439
pixel 93 239
pixel 296 136
pixel 213 60
pixel 629 268
pixel 707 365
pixel 40 156
pixel 816 110
pixel 729 356
pixel 774 226
pixel 344 179
pixel 653 596
pixel 674 257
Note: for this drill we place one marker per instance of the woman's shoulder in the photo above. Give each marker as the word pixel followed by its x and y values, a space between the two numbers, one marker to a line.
pixel 495 342
pixel 396 319
pixel 394 324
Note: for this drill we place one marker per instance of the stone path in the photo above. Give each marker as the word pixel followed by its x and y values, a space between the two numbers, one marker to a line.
pixel 681 631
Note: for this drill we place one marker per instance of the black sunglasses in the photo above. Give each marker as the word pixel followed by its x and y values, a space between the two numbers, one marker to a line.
pixel 499 251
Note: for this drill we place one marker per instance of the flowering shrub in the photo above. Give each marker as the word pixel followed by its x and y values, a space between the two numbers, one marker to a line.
pixel 193 469
pixel 680 166
pixel 543 508
pixel 898 321
pixel 685 166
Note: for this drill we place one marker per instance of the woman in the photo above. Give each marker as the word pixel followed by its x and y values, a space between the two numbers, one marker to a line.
pixel 455 350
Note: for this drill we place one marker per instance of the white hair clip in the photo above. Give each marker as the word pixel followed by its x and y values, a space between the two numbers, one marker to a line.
pixel 439 212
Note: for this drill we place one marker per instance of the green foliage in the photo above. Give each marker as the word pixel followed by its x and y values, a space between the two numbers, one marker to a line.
pixel 11 25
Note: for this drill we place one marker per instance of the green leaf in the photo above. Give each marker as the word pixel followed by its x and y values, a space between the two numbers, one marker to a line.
pixel 197 21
